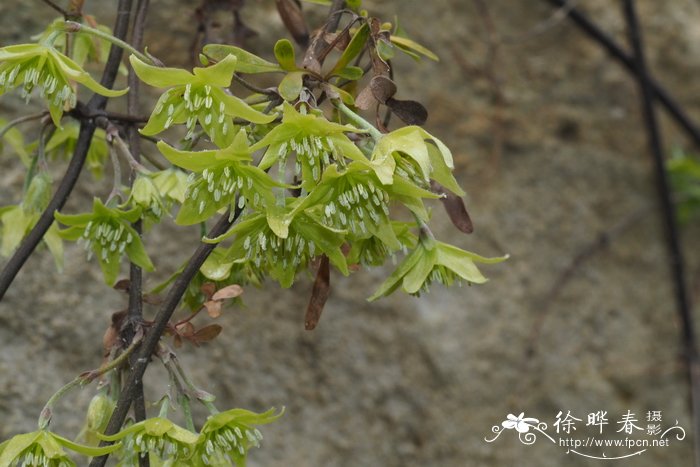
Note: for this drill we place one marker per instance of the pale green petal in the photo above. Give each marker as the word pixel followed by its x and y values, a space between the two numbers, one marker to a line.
pixel 220 74
pixel 236 107
pixel 195 161
pixel 160 77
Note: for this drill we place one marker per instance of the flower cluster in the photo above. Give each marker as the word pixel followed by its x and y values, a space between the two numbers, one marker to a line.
pixel 200 96
pixel 434 262
pixel 40 66
pixel 155 436
pixel 226 437
pixel 220 178
pixel 315 141
pixel 281 251
pixel 107 233
pixel 45 449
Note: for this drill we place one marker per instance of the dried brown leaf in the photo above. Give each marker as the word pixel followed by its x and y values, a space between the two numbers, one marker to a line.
pixel 365 99
pixel 230 291
pixel 411 112
pixel 208 289
pixel 455 208
pixel 319 294
pixel 207 333
pixel 293 20
pixel 383 88
pixel 213 308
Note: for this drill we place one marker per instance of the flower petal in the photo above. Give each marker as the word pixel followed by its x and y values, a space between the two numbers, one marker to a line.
pixel 160 77
pixel 220 74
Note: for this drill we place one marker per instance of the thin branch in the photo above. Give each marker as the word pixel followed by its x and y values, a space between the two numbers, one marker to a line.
pixel 135 310
pixel 72 27
pixel 161 320
pixel 668 212
pixel 26 118
pixel 658 92
pixel 58 8
pixel 253 88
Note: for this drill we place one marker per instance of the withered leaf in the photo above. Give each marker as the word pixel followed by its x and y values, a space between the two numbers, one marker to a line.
pixel 213 308
pixel 152 299
pixel 455 207
pixel 319 295
pixel 230 291
pixel 293 19
pixel 208 289
pixel 411 112
pixel 383 88
pixel 207 333
pixel 122 284
pixel 185 329
pixel 365 99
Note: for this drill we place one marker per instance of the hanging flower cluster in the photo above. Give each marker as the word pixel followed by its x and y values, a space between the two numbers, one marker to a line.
pixel 30 66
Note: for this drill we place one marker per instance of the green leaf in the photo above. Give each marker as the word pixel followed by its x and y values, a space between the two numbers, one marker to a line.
pixel 15 139
pixel 247 62
pixel 353 73
pixel 284 53
pixel 291 85
pixel 16 222
pixel 354 48
pixel 215 267
pixel 405 43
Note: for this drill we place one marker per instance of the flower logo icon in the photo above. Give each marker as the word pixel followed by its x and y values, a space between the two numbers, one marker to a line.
pixel 520 423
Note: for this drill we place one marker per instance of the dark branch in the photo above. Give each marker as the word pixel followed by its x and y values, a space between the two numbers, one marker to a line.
pixel 135 310
pixel 668 213
pixel 154 334
pixel 593 31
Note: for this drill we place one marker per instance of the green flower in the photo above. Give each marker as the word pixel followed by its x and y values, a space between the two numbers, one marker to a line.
pixel 226 437
pixel 415 155
pixel 194 97
pixel 433 261
pixel 146 196
pixel 217 177
pixel 172 185
pixel 107 233
pixel 316 142
pixel 37 65
pixel 373 251
pixel 156 436
pixel 282 251
pixel 18 220
pixel 45 449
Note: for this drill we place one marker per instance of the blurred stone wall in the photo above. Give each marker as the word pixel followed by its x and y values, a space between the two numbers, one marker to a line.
pixel 549 144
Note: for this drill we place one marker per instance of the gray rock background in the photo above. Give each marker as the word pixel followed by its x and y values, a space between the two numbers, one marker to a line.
pixel 550 147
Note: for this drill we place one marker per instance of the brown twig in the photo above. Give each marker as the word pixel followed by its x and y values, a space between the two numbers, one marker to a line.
pixel 668 213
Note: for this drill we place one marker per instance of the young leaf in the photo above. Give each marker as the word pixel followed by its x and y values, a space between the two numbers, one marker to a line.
pixel 291 85
pixel 247 62
pixel 357 43
pixel 284 53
